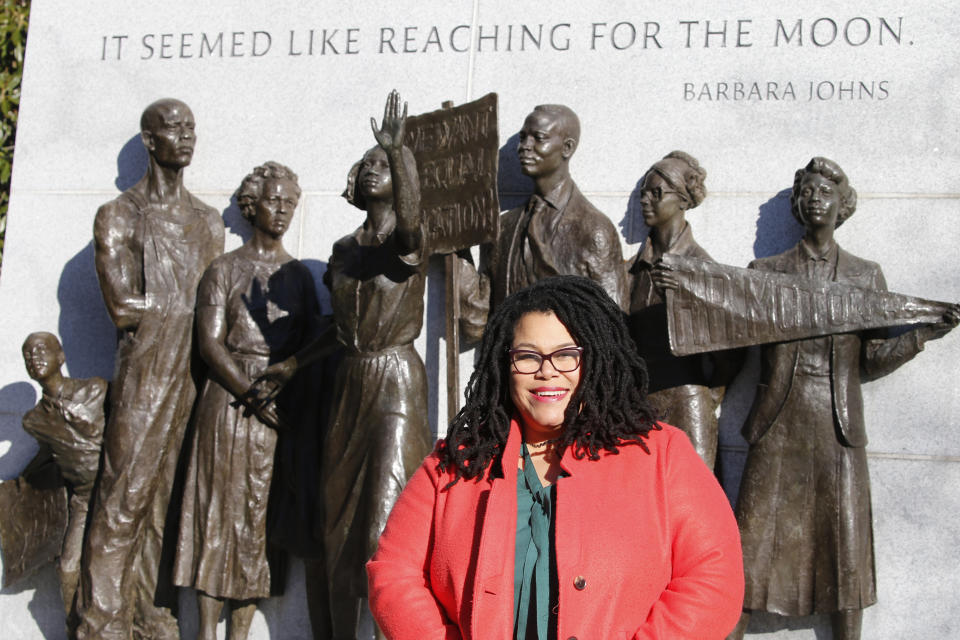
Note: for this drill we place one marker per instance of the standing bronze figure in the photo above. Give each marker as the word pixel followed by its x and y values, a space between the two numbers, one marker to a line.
pixel 68 423
pixel 804 505
pixel 256 306
pixel 558 231
pixel 685 390
pixel 151 245
pixel 378 432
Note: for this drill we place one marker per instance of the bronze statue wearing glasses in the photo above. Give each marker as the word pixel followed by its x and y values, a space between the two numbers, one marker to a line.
pixel 685 390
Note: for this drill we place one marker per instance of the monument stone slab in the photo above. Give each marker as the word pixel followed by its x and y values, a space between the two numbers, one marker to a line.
pixel 752 89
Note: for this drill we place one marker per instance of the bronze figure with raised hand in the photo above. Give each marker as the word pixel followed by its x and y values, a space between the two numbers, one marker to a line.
pixel 378 432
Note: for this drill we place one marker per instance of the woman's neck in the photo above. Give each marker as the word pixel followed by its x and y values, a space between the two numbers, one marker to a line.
pixel 543 455
pixel 664 236
pixel 380 216
pixel 820 238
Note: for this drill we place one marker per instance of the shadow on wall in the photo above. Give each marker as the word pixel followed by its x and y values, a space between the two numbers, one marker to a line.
pixel 45 606
pixel 514 187
pixel 235 223
pixel 777 229
pixel 16 446
pixel 131 163
pixel 317 268
pixel 85 329
pixel 632 227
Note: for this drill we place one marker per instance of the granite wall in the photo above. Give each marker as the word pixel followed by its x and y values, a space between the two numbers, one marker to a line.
pixel 753 89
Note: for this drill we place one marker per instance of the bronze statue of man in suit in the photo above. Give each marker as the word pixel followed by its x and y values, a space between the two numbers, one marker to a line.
pixel 557 232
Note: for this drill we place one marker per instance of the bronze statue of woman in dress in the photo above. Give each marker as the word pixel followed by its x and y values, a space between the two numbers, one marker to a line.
pixel 804 504
pixel 378 432
pixel 685 390
pixel 256 307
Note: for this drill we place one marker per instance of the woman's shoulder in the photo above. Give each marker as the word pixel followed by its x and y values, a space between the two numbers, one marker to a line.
pixel 659 441
pixel 432 465
pixel 222 265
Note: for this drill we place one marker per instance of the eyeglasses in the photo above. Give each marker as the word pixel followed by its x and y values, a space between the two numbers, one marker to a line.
pixel 563 360
pixel 656 194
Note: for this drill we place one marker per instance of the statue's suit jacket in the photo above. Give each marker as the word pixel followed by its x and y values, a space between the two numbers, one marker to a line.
pixel 853 356
pixel 584 243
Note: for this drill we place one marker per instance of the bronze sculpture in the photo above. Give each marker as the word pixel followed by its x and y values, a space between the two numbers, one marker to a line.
pixel 557 232
pixel 68 423
pixel 804 504
pixel 151 245
pixel 378 432
pixel 256 305
pixel 685 390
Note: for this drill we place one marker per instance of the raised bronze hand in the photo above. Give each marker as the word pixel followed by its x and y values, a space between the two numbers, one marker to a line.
pixel 390 133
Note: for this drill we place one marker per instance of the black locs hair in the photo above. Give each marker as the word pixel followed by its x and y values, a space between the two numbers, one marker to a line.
pixel 608 408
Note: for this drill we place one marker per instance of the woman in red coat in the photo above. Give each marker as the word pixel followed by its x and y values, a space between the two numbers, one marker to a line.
pixel 557 507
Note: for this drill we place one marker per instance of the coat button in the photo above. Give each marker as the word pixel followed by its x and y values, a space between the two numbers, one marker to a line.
pixel 579 583
pixel 572 638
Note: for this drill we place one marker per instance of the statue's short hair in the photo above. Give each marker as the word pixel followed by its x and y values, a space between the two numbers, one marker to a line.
pixel 684 174
pixel 569 122
pixel 42 335
pixel 151 115
pixel 832 172
pixel 252 186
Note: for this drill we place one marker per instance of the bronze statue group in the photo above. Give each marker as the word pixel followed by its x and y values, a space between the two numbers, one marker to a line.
pixel 213 374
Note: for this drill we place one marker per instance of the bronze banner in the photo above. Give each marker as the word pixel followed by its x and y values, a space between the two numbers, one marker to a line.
pixel 457 151
pixel 721 307
pixel 32 526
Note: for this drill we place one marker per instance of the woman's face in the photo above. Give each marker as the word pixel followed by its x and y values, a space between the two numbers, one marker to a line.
pixel 374 175
pixel 660 203
pixel 274 208
pixel 818 201
pixel 541 398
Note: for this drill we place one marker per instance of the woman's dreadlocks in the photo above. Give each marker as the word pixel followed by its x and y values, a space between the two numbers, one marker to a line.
pixel 608 408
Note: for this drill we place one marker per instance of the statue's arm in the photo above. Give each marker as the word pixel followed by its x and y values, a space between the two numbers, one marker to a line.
pixel 605 264
pixel 403 174
pixel 217 231
pixel 474 299
pixel 881 355
pixel 211 343
pixel 406 199
pixel 117 264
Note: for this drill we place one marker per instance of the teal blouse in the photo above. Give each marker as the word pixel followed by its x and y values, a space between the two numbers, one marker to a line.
pixel 534 601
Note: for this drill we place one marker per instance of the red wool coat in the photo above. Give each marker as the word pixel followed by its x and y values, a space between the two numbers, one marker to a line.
pixel 646 547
